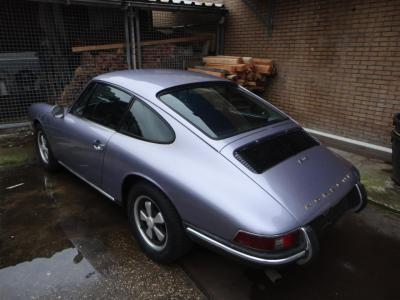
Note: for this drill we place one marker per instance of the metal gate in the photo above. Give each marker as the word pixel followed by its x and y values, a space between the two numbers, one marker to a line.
pixel 49 51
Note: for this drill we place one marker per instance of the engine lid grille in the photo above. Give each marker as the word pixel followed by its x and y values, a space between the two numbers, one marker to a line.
pixel 265 153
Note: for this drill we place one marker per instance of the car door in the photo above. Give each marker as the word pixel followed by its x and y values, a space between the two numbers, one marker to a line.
pixel 86 128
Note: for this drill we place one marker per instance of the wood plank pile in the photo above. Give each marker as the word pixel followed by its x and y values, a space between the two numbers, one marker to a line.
pixel 250 72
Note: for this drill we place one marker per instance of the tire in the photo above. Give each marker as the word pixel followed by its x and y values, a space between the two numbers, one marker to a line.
pixel 175 243
pixel 43 150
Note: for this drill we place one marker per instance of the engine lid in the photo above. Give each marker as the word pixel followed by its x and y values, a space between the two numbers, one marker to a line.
pixel 303 176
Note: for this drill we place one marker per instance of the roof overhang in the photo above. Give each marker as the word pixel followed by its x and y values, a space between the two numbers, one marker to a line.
pixel 164 5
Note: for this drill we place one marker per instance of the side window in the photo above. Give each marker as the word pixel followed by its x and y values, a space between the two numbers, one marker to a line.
pixel 106 105
pixel 143 122
pixel 79 105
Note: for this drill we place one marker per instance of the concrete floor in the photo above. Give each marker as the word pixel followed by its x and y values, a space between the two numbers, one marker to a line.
pixel 376 176
pixel 59 238
pixel 359 259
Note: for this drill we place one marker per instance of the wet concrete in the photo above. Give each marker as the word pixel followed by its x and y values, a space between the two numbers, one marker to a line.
pixel 16 148
pixel 59 238
pixel 359 259
pixel 376 176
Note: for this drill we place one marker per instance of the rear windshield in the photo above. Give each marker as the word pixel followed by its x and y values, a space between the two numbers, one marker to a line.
pixel 221 110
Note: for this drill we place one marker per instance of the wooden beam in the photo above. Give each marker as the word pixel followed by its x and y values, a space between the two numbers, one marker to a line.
pixel 144 43
pixel 263 69
pixel 97 47
pixel 222 60
pixel 212 69
pixel 177 40
pixel 262 61
pixel 229 68
pixel 212 73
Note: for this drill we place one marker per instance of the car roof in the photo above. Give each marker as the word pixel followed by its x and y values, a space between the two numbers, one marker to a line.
pixel 149 82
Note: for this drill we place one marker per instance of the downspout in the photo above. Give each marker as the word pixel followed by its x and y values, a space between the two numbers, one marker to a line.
pixel 127 42
pixel 132 16
pixel 220 36
pixel 138 42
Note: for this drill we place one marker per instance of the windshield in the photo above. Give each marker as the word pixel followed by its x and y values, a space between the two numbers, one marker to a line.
pixel 221 110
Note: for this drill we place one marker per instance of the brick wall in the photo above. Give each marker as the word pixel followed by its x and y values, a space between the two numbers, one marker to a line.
pixel 338 62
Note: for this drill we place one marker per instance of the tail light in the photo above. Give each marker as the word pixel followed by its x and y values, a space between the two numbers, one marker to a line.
pixel 276 243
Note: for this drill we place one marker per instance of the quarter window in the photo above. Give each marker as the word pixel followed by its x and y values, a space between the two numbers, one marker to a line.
pixel 79 105
pixel 144 123
pixel 106 105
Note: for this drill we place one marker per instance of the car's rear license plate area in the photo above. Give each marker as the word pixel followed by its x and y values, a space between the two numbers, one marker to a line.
pixel 334 213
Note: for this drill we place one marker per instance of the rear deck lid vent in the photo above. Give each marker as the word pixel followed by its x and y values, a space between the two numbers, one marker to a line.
pixel 265 153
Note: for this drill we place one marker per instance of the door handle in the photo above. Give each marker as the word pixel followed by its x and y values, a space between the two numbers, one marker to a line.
pixel 98 146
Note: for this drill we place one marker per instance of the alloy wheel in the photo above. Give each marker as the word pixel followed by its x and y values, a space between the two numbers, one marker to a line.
pixel 43 147
pixel 150 222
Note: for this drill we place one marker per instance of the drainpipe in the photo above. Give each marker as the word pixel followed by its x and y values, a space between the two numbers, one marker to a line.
pixel 127 42
pixel 220 36
pixel 132 17
pixel 138 42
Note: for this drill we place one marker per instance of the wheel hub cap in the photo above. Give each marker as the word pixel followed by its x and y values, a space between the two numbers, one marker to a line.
pixel 150 222
pixel 43 147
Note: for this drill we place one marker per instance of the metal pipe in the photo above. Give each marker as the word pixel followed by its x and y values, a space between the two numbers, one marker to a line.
pixel 127 42
pixel 222 34
pixel 133 40
pixel 138 42
pixel 217 41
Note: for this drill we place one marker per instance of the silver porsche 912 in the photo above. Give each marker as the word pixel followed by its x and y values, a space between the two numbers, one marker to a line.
pixel 194 157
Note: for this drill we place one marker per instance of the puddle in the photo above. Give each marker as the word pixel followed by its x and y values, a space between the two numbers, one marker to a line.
pixel 42 276
pixel 61 238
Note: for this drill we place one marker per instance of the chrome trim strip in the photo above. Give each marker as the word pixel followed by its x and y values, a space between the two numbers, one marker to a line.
pixel 245 256
pixel 309 249
pixel 88 182
pixel 361 198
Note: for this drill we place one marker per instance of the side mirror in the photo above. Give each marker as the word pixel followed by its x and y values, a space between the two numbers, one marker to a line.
pixel 58 111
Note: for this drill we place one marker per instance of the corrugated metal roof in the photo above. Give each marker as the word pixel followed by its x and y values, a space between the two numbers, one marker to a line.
pixel 182 5
pixel 186 2
pixel 151 4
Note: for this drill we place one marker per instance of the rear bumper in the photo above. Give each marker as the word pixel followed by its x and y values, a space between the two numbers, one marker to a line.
pixel 301 256
pixel 362 193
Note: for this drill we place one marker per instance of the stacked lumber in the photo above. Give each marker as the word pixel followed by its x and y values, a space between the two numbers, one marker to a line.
pixel 251 72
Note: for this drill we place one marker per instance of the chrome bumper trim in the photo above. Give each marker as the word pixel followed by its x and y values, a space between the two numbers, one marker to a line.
pixel 309 249
pixel 361 199
pixel 254 259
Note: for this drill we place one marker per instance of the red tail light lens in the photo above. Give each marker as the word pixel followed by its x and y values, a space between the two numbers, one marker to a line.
pixel 256 242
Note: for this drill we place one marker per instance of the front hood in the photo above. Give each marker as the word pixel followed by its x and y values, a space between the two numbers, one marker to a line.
pixel 306 183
